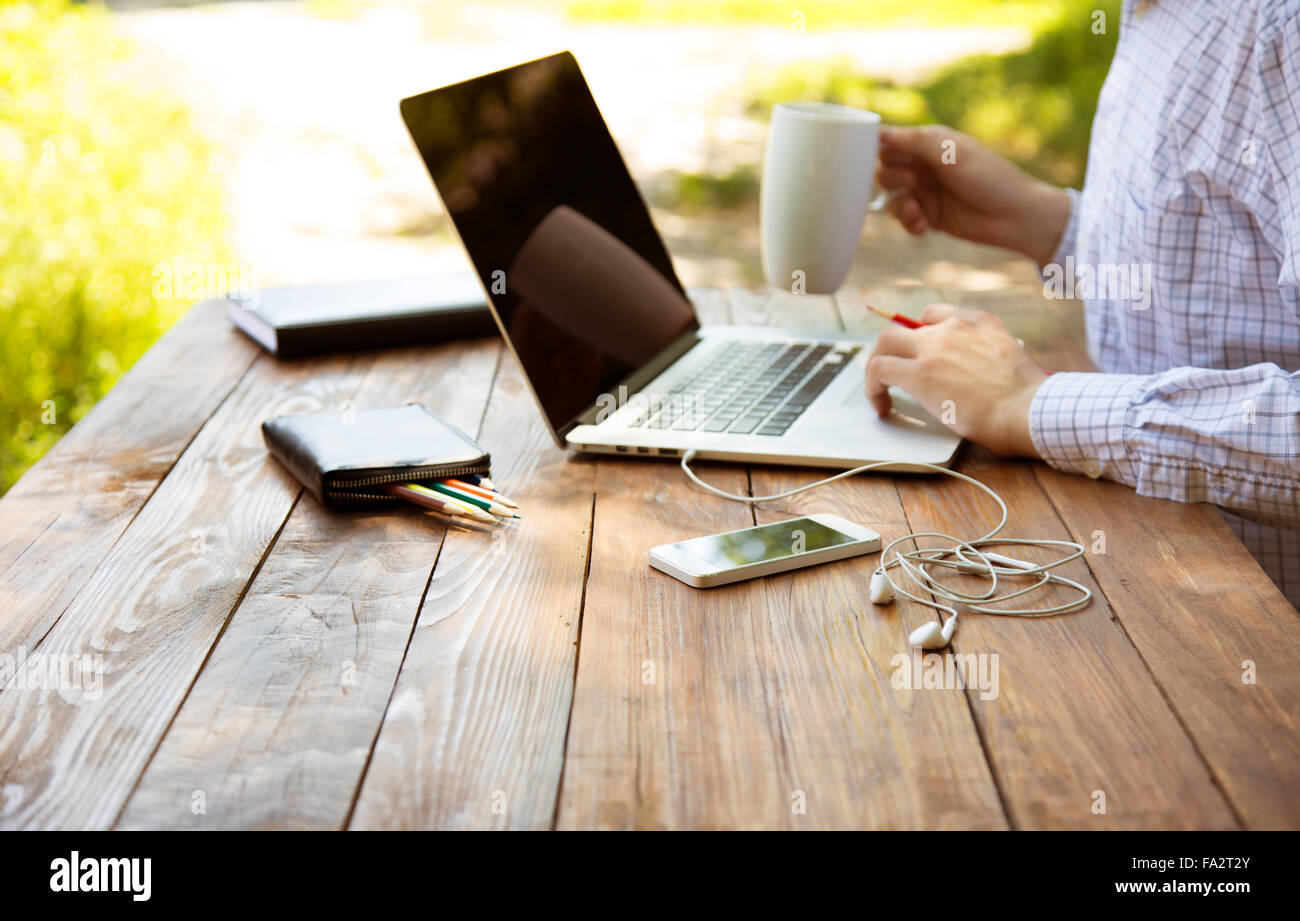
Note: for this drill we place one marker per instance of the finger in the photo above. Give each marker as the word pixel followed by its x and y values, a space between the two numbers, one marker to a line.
pixel 925 143
pixel 883 372
pixel 895 177
pixel 937 313
pixel 908 212
pixel 896 341
pixel 890 156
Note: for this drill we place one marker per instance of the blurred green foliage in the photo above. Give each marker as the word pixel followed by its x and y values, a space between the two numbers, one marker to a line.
pixel 704 192
pixel 1033 106
pixel 100 181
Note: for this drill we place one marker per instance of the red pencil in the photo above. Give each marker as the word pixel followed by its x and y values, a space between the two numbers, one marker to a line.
pixel 896 318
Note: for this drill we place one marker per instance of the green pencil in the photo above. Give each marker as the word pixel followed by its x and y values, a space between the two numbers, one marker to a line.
pixel 420 495
pixel 495 508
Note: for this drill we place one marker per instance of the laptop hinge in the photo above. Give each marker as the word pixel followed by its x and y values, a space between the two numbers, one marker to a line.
pixel 635 382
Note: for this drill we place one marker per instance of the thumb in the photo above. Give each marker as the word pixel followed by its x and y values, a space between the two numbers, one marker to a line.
pixel 926 143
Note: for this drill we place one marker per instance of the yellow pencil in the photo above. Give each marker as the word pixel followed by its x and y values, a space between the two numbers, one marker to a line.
pixel 414 492
pixel 486 504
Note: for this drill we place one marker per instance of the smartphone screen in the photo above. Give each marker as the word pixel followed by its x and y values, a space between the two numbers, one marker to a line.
pixel 762 544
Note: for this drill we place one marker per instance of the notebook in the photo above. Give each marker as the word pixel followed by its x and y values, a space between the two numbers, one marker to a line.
pixel 303 320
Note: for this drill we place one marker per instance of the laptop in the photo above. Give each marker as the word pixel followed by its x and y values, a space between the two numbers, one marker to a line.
pixel 584 292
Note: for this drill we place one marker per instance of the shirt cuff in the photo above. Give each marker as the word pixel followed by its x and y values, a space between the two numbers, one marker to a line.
pixel 1077 422
pixel 1068 236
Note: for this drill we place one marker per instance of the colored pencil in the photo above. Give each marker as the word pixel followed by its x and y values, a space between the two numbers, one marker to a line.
pixel 896 318
pixel 477 479
pixel 485 504
pixel 419 495
pixel 482 492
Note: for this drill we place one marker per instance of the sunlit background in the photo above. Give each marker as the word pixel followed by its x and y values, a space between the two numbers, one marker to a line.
pixel 267 135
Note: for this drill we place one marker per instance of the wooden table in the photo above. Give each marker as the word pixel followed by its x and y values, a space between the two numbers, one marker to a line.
pixel 271 664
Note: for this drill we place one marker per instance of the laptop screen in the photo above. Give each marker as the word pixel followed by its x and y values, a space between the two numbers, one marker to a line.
pixel 554 226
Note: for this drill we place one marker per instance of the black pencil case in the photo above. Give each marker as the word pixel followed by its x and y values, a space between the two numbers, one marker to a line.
pixel 344 458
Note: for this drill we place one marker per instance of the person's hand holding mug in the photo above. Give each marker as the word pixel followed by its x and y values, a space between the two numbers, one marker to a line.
pixel 942 179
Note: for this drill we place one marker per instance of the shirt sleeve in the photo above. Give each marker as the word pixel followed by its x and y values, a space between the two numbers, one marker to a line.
pixel 1278 59
pixel 1231 438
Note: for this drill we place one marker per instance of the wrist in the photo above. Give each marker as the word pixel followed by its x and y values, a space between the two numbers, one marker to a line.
pixel 1017 439
pixel 1044 214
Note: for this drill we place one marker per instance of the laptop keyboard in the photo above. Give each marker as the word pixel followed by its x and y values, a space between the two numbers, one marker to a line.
pixel 758 388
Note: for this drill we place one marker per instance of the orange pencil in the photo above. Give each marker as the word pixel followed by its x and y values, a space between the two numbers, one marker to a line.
pixel 482 492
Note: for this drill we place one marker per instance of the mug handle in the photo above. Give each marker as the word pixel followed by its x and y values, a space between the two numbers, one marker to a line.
pixel 884 200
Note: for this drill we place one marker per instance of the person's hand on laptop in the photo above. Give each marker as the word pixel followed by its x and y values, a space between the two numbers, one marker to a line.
pixel 946 180
pixel 966 370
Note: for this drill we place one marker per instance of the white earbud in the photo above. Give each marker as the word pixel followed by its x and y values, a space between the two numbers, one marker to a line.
pixel 882 592
pixel 971 557
pixel 932 635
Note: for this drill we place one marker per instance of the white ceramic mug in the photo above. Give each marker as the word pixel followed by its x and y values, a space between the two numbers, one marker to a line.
pixel 818 171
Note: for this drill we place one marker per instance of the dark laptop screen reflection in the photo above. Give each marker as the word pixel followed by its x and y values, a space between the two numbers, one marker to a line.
pixel 542 200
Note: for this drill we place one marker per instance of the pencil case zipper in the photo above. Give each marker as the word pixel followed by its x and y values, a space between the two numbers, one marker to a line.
pixel 347 490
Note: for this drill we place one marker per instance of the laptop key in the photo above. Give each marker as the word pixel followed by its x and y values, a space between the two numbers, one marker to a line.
pixel 749 387
pixel 746 425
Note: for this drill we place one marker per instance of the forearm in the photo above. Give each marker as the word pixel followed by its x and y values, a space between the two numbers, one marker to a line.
pixel 1041 223
pixel 1231 438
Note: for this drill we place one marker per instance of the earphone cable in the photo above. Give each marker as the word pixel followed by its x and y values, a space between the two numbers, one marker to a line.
pixel 915 562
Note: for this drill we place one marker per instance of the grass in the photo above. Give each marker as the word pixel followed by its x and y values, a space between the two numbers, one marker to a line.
pixel 100 181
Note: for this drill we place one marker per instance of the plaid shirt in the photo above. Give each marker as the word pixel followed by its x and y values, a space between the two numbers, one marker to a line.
pixel 1193 188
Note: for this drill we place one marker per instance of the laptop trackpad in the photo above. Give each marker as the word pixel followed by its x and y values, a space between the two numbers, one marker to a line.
pixel 907 412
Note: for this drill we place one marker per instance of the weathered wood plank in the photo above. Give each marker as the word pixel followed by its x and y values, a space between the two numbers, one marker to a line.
pixel 1217 635
pixel 700 714
pixel 869 749
pixel 1077 713
pixel 1198 608
pixel 58 522
pixel 1081 713
pixel 503 616
pixel 672 725
pixel 474 734
pixel 672 718
pixel 155 606
pixel 278 727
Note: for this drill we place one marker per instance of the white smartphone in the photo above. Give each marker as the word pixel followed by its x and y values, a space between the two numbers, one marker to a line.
pixel 764 550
